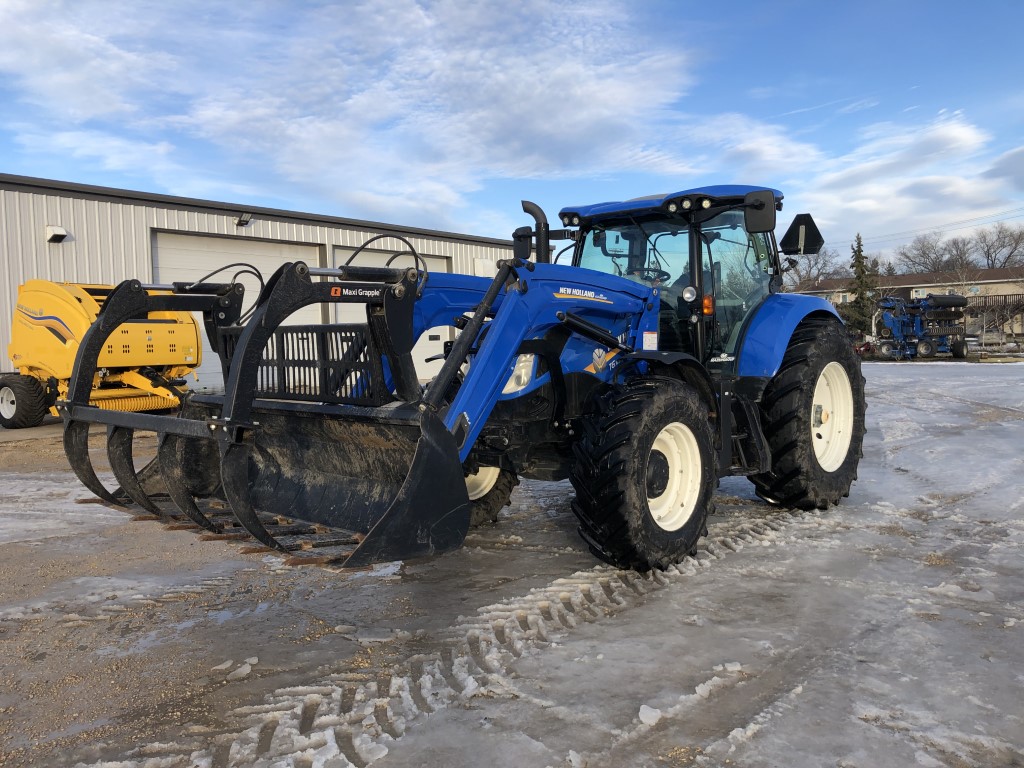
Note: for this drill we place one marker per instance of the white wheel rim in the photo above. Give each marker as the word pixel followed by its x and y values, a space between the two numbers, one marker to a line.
pixel 480 483
pixel 8 404
pixel 674 506
pixel 832 417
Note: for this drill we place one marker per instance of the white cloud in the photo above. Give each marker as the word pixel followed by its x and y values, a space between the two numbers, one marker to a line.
pixel 752 149
pixel 1009 166
pixel 112 153
pixel 426 101
pixel 410 103
pixel 49 52
pixel 402 110
pixel 858 106
pixel 901 178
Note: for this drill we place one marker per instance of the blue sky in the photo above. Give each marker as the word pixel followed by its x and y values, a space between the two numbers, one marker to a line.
pixel 884 118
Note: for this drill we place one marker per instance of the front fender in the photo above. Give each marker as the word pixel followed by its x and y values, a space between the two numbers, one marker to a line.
pixel 768 334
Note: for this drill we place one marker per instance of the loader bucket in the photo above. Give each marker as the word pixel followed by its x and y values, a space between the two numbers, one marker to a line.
pixel 396 486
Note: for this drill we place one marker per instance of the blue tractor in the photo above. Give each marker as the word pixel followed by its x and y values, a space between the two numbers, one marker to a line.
pixel 922 327
pixel 656 355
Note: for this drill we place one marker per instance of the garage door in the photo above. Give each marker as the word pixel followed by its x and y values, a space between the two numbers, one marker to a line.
pixel 431 343
pixel 185 258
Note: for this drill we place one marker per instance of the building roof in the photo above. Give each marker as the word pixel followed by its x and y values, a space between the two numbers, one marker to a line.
pixel 88 191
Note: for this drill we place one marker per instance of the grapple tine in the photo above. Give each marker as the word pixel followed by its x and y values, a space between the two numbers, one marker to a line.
pixel 234 474
pixel 119 452
pixel 76 447
pixel 169 455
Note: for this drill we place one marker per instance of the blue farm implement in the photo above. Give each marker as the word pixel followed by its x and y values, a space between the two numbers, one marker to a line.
pixel 922 327
pixel 662 357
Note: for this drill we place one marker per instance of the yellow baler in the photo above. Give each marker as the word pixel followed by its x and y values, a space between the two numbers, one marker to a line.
pixel 140 369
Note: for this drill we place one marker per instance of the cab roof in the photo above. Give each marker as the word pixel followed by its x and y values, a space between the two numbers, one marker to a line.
pixel 639 205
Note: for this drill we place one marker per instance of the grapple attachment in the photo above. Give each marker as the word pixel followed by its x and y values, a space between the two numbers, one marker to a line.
pixel 321 440
pixel 131 301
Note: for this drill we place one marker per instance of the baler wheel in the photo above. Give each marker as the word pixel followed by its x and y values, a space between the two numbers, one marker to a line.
pixel 813 418
pixel 22 402
pixel 644 473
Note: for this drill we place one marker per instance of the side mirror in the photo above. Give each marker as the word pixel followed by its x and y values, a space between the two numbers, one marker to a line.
pixel 759 211
pixel 802 238
pixel 522 243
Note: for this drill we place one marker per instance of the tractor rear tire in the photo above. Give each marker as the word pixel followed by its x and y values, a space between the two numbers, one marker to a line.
pixel 490 491
pixel 644 473
pixel 22 402
pixel 813 419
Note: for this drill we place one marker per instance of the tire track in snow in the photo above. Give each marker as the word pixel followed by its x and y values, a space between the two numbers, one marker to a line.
pixel 955 746
pixel 349 718
pixel 724 698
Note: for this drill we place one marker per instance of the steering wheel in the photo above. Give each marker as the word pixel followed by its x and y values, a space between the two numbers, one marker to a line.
pixel 652 274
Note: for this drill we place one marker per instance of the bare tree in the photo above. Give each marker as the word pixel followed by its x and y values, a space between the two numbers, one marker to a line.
pixel 959 253
pixel 811 269
pixel 924 254
pixel 1000 246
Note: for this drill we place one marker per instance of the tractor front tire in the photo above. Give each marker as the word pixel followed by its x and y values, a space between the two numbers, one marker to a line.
pixel 490 490
pixel 644 473
pixel 22 402
pixel 813 419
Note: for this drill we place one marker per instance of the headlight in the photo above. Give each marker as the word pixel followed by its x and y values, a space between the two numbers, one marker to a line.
pixel 522 374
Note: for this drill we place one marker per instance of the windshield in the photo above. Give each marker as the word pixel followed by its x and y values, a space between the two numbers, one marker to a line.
pixel 735 268
pixel 641 251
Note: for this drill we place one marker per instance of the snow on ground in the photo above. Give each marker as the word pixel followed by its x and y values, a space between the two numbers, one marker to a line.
pixel 35 507
pixel 884 632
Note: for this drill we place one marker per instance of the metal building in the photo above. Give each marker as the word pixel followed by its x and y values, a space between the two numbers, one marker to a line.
pixel 64 232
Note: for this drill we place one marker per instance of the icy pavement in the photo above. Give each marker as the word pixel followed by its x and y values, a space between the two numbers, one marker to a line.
pixel 884 632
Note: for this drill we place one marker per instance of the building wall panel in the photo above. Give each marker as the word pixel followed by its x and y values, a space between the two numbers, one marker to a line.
pixel 112 236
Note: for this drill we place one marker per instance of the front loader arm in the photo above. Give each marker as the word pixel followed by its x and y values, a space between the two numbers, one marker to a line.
pixel 537 301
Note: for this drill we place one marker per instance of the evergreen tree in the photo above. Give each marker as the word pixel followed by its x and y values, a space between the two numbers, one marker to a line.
pixel 863 286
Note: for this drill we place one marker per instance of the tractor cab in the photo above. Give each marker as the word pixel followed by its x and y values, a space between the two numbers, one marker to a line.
pixel 711 252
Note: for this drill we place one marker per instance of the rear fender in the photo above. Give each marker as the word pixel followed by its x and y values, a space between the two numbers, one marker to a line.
pixel 768 334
